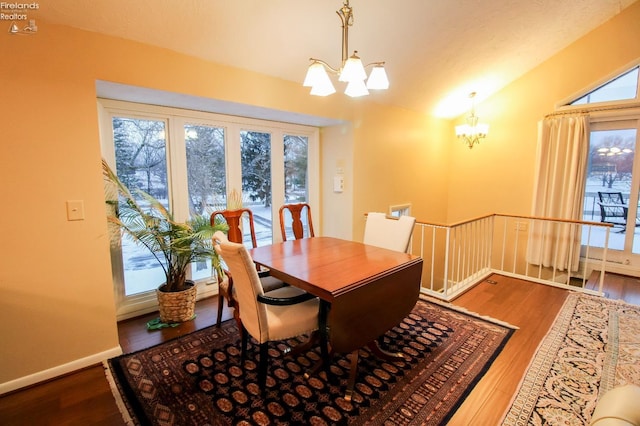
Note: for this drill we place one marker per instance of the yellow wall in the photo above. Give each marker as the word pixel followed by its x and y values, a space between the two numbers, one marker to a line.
pixel 498 175
pixel 400 158
pixel 56 305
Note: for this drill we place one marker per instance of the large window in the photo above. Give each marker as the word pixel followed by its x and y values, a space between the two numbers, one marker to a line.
pixel 141 163
pixel 623 87
pixel 196 163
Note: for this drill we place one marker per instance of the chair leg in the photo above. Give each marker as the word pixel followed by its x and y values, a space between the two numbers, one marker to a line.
pixel 220 307
pixel 236 316
pixel 304 347
pixel 262 366
pixel 244 337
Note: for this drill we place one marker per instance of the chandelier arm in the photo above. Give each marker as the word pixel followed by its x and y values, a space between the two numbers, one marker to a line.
pixel 326 65
pixel 375 64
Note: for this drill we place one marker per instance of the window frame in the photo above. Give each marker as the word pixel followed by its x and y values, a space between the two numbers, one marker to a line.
pixel 566 106
pixel 176 118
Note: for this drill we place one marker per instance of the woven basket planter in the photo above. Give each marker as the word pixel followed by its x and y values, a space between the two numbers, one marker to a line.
pixel 177 306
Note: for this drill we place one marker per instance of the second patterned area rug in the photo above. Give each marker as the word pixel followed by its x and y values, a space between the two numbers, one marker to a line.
pixel 592 346
pixel 198 380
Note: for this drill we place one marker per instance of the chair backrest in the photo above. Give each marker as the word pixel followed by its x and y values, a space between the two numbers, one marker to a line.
pixel 246 283
pixel 297 225
pixel 234 220
pixel 611 197
pixel 390 233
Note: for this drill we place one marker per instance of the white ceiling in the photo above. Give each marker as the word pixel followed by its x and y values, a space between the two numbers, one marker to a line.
pixel 436 51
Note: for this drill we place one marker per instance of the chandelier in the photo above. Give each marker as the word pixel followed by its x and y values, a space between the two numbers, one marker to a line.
pixel 351 70
pixel 610 152
pixel 471 132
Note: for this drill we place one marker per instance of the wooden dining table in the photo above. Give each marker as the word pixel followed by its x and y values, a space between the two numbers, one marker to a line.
pixel 363 290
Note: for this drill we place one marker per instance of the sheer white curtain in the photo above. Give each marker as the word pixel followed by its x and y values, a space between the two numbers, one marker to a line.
pixel 561 161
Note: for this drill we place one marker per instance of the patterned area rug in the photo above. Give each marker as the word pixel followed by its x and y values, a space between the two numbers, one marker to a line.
pixel 198 380
pixel 593 345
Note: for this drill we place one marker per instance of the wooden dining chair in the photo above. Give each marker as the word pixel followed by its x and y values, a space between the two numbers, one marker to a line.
pixel 389 232
pixel 234 219
pixel 294 212
pixel 267 316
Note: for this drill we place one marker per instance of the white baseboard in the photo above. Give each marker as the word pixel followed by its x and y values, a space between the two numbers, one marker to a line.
pixel 59 370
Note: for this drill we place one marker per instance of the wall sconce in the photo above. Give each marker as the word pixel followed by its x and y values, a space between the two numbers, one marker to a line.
pixel 471 132
pixel 351 70
pixel 29 29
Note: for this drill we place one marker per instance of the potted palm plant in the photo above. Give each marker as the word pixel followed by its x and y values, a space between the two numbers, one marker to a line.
pixel 175 245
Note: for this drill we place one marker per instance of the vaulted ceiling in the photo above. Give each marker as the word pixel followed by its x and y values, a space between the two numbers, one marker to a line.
pixel 436 51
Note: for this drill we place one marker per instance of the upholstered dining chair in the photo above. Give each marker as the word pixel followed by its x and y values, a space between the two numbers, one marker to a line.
pixel 267 316
pixel 293 214
pixel 234 219
pixel 388 232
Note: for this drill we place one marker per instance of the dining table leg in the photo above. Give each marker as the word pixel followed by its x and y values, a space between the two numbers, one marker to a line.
pixel 323 327
pixel 353 373
pixel 323 331
pixel 385 355
pixel 375 349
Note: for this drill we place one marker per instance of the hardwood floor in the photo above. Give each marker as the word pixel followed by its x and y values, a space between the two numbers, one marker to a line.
pixel 84 397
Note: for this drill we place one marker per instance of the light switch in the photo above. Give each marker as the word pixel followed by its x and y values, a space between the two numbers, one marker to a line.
pixel 75 210
pixel 338 183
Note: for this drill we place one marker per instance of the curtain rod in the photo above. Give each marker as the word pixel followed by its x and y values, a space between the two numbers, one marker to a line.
pixel 595 109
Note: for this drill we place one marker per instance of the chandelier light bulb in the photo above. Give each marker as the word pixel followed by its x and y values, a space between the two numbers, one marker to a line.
pixel 319 81
pixel 356 89
pixel 378 79
pixel 353 70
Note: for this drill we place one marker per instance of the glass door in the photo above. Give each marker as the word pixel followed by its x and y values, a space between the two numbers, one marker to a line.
pixel 612 188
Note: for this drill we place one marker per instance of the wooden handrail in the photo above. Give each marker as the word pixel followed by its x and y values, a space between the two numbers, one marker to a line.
pixel 514 216
pixel 464 222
